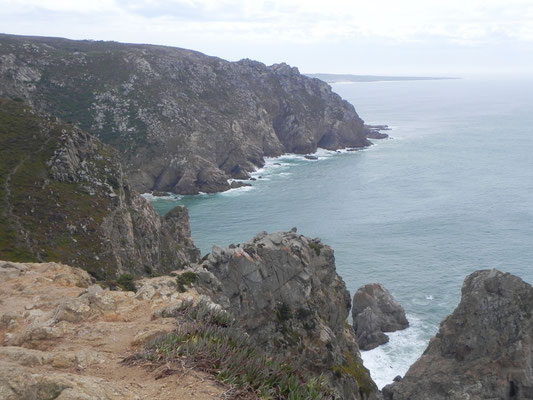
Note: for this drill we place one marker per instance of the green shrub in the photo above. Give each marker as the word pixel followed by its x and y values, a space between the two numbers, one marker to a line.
pixel 316 247
pixel 283 312
pixel 125 282
pixel 186 280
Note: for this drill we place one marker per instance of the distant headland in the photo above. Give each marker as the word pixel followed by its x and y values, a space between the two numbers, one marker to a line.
pixel 337 78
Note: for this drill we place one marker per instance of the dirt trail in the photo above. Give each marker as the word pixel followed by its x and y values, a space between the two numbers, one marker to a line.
pixel 57 328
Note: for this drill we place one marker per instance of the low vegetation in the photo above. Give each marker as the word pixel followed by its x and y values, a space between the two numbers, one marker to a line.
pixel 185 280
pixel 126 282
pixel 210 340
pixel 316 247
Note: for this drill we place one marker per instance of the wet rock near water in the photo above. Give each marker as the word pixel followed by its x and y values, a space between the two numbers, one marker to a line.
pixel 374 312
pixel 483 350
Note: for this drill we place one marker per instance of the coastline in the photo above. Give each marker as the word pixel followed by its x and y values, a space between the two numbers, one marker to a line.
pixel 282 162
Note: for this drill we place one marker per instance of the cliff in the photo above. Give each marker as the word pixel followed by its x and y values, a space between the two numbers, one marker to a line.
pixel 266 318
pixel 64 198
pixel 284 291
pixel 182 121
pixel 483 350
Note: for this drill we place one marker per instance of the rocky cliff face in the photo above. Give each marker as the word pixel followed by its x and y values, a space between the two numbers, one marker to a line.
pixel 375 312
pixel 182 121
pixel 483 350
pixel 64 198
pixel 284 291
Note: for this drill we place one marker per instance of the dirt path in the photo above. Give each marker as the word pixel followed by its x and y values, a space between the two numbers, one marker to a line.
pixel 58 328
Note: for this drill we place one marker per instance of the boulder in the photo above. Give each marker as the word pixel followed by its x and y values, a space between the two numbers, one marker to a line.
pixel 483 350
pixel 374 312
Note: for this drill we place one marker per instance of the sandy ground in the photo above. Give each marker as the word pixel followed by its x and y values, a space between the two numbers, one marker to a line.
pixel 44 331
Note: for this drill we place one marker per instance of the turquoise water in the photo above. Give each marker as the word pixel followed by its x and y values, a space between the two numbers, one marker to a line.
pixel 451 193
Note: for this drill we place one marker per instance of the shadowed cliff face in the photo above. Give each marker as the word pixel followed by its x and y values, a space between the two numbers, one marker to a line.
pixel 182 121
pixel 64 198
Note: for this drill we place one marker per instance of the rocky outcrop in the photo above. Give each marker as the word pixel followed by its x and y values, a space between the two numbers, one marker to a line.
pixel 65 198
pixel 483 350
pixel 375 131
pixel 284 291
pixel 182 121
pixel 374 312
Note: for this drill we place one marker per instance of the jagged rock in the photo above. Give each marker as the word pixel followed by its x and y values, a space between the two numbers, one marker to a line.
pixel 374 131
pixel 284 291
pixel 483 350
pixel 93 218
pixel 99 300
pixel 374 312
pixel 182 121
pixel 168 311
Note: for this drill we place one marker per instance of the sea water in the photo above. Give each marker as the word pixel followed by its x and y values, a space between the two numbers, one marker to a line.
pixel 450 193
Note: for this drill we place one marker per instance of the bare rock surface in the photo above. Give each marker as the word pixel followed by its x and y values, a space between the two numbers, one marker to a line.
pixel 62 337
pixel 284 290
pixel 483 350
pixel 375 312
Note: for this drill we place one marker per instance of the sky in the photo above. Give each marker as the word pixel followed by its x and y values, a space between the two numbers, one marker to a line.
pixel 408 37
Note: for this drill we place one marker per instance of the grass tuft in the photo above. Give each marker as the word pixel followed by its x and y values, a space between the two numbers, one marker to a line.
pixel 186 280
pixel 126 282
pixel 211 341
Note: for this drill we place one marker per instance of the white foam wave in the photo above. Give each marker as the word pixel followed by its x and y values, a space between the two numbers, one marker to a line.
pixel 394 358
pixel 237 191
pixel 170 196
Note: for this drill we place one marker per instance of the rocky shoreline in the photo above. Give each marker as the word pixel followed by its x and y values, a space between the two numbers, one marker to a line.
pixel 101 298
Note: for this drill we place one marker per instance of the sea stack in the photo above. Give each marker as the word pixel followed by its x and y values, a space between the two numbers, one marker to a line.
pixel 375 312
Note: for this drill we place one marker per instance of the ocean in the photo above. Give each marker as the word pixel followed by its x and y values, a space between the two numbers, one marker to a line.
pixel 451 192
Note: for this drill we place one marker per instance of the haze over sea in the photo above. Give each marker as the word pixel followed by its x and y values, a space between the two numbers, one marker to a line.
pixel 451 193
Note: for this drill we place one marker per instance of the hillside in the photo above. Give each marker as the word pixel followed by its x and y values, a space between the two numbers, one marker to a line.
pixel 182 121
pixel 64 198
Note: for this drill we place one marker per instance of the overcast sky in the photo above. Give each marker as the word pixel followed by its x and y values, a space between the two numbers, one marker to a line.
pixel 444 37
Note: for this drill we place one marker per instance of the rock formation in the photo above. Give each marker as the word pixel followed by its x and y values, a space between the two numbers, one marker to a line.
pixel 284 291
pixel 483 350
pixel 183 122
pixel 374 312
pixel 64 198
